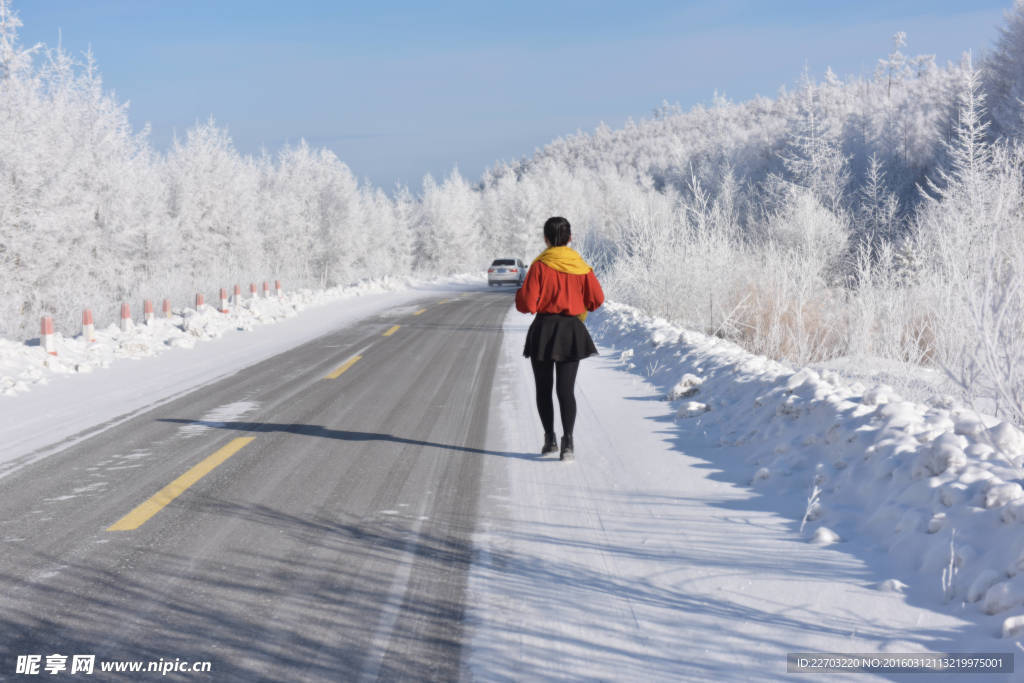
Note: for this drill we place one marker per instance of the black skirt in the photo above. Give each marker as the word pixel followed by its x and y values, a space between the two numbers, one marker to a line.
pixel 557 337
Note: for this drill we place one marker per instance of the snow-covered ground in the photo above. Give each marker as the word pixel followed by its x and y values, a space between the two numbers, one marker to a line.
pixel 725 510
pixel 45 400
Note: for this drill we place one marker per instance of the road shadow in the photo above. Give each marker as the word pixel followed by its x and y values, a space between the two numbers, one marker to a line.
pixel 346 435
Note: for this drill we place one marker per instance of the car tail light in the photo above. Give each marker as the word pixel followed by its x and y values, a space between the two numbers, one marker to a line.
pixel 512 270
pixel 490 270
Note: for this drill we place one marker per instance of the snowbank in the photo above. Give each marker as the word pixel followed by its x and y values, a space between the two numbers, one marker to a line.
pixel 935 485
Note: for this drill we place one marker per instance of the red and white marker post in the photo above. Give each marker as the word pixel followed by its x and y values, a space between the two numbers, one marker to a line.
pixel 238 296
pixel 223 300
pixel 147 311
pixel 252 290
pixel 167 308
pixel 88 327
pixel 277 286
pixel 46 336
pixel 199 301
pixel 266 289
pixel 126 317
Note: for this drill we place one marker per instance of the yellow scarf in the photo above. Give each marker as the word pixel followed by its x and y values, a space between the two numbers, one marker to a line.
pixel 565 260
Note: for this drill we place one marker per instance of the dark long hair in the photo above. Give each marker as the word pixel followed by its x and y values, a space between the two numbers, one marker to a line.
pixel 557 232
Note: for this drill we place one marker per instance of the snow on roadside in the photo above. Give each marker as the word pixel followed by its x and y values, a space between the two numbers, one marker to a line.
pixel 937 486
pixel 650 558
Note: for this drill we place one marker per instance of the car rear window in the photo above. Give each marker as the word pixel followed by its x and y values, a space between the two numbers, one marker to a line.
pixel 504 262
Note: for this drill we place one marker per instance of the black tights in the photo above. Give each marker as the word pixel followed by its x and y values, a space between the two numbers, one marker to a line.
pixel 543 371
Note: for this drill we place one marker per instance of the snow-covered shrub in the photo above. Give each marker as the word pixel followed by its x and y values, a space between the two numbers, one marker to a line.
pixel 969 236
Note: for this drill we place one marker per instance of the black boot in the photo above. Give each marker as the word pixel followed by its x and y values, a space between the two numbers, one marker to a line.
pixel 567 453
pixel 550 444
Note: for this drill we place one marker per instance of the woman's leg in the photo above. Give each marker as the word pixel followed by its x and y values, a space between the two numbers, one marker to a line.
pixel 565 387
pixel 543 375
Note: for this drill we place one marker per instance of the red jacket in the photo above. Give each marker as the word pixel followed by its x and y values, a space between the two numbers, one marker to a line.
pixel 546 290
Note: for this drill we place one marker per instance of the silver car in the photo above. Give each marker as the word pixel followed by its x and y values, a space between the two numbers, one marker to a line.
pixel 510 271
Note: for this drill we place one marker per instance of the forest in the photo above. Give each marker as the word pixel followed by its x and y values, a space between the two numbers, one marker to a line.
pixel 877 216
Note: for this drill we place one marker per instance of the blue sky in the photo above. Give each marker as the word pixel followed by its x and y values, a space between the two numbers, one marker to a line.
pixel 400 89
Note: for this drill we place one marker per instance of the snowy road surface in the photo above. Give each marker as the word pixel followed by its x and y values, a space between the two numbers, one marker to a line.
pixel 370 505
pixel 332 546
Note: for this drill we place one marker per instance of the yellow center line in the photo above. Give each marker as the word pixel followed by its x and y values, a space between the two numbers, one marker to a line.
pixel 139 516
pixel 422 310
pixel 443 301
pixel 392 331
pixel 343 367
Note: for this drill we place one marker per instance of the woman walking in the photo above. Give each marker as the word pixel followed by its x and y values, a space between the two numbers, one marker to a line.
pixel 560 288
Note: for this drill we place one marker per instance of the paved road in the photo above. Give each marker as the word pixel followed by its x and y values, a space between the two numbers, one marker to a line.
pixel 306 519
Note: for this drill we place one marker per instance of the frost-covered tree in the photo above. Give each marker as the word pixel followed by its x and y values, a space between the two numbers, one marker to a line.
pixel 450 234
pixel 1004 74
pixel 991 364
pixel 512 210
pixel 968 234
pixel 876 219
pixel 815 160
pixel 218 236
pixel 403 241
pixel 893 69
pixel 79 201
pixel 319 223
pixel 15 60
pixel 948 225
